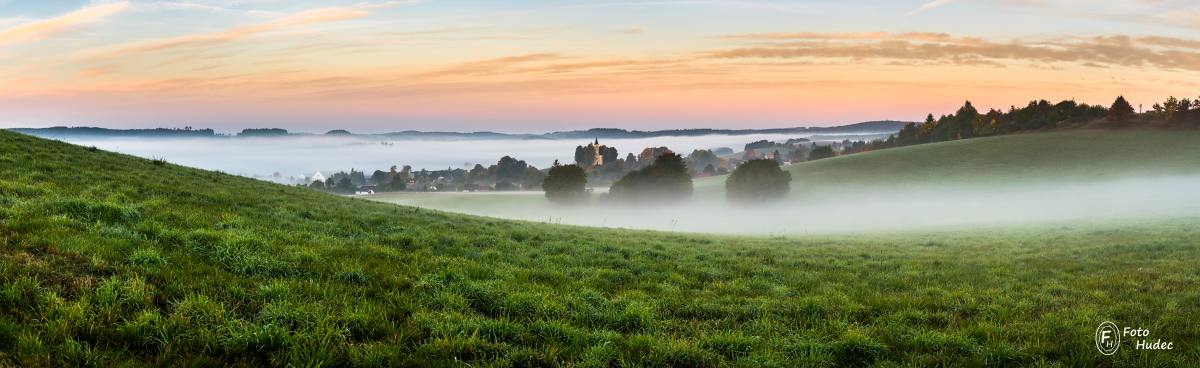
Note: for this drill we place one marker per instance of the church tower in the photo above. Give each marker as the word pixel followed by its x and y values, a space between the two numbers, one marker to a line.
pixel 597 158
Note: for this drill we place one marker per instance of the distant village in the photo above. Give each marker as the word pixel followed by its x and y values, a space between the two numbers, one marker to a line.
pixel 603 165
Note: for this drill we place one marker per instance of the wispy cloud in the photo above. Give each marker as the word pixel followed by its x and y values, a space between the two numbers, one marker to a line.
pixel 36 30
pixel 301 19
pixel 930 6
pixel 491 66
pixel 180 5
pixel 916 36
pixel 634 30
pixel 385 4
pixel 435 31
pixel 1110 51
pixel 1177 13
pixel 1189 17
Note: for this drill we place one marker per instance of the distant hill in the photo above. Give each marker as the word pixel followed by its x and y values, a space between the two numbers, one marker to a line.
pixel 416 134
pixel 64 132
pixel 884 127
pixel 610 133
pixel 263 132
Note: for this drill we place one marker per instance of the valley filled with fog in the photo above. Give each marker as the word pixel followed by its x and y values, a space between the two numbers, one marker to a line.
pixel 1027 180
pixel 880 207
pixel 300 156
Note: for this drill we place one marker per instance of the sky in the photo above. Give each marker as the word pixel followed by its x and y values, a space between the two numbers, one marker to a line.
pixel 532 66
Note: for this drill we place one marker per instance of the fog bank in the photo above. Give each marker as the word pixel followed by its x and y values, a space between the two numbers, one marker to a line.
pixel 302 156
pixel 876 209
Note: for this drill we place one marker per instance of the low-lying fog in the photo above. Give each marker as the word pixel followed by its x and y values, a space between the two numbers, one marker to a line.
pixel 302 156
pixel 868 206
pixel 864 209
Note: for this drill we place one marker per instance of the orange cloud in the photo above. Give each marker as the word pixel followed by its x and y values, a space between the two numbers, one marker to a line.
pixel 915 36
pixel 491 66
pixel 1123 51
pixel 41 29
pixel 1171 41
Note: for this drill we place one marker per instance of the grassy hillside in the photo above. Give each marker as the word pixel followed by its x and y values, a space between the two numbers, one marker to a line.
pixel 107 259
pixel 1016 159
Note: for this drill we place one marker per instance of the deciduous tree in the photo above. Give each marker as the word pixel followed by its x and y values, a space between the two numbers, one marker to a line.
pixel 757 181
pixel 565 183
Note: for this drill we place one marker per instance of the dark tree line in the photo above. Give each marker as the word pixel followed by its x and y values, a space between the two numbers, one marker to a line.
pixel 968 122
pixel 1176 113
pixel 1039 115
pixel 507 174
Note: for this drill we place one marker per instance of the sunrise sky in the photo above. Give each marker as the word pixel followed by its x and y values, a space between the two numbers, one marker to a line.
pixel 522 66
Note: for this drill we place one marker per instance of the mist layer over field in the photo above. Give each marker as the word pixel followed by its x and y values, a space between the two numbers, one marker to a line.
pixel 862 209
pixel 1017 179
pixel 1030 178
pixel 302 156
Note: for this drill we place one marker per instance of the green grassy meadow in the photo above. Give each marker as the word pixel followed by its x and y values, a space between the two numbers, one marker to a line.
pixel 108 259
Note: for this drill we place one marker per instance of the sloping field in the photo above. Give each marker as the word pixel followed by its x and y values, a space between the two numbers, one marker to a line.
pixel 108 259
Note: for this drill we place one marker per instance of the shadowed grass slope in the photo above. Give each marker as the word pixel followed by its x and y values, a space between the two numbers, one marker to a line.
pixel 108 259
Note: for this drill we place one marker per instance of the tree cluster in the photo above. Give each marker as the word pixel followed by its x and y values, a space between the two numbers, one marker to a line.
pixel 968 122
pixel 647 157
pixel 758 145
pixel 757 181
pixel 666 179
pixel 507 174
pixel 584 157
pixel 1176 112
pixel 702 163
pixel 821 152
pixel 565 183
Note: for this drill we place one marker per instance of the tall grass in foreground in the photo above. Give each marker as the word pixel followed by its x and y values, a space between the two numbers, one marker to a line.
pixel 111 260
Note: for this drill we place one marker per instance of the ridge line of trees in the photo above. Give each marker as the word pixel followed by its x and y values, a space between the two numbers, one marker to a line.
pixel 1041 115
